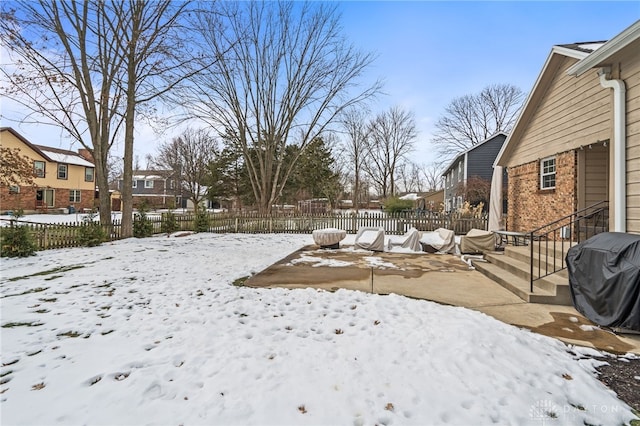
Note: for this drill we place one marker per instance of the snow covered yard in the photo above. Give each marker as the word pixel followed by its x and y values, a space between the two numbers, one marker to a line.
pixel 153 331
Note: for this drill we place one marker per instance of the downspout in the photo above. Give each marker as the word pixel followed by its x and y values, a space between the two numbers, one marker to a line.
pixel 619 147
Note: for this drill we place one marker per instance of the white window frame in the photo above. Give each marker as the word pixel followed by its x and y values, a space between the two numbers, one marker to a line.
pixel 89 172
pixel 61 167
pixel 36 169
pixel 148 184
pixel 545 171
pixel 14 189
pixel 74 195
pixel 134 184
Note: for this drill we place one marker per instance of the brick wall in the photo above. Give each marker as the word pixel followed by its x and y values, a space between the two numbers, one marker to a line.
pixel 26 199
pixel 529 206
pixel 62 199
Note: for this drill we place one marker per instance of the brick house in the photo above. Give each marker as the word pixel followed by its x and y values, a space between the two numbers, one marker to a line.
pixel 474 163
pixel 155 188
pixel 577 139
pixel 62 178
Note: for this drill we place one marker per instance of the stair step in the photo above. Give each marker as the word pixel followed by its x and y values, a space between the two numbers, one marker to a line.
pixel 520 286
pixel 541 264
pixel 522 269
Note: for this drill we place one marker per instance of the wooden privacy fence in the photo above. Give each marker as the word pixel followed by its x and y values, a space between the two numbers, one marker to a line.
pixel 62 235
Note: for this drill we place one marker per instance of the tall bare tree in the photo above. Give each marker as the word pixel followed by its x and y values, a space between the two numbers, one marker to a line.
pixel 409 177
pixel 392 136
pixel 159 56
pixel 356 131
pixel 91 66
pixel 64 66
pixel 470 119
pixel 288 73
pixel 432 175
pixel 189 156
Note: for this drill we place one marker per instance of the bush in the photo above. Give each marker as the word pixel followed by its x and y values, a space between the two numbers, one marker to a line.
pixel 91 233
pixel 395 205
pixel 142 226
pixel 169 223
pixel 16 240
pixel 202 221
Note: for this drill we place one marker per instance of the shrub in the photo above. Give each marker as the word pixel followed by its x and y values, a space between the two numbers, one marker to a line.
pixel 169 223
pixel 16 240
pixel 202 221
pixel 395 205
pixel 142 226
pixel 91 233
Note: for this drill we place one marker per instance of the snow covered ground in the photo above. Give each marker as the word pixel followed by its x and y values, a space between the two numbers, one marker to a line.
pixel 153 331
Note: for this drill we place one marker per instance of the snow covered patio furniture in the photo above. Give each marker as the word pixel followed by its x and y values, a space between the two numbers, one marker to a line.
pixel 477 241
pixel 441 240
pixel 329 238
pixel 409 241
pixel 370 238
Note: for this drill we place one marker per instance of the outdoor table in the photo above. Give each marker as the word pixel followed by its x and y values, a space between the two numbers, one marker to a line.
pixel 517 238
pixel 329 238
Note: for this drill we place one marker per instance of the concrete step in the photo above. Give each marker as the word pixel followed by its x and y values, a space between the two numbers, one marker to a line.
pixel 542 265
pixel 556 284
pixel 520 286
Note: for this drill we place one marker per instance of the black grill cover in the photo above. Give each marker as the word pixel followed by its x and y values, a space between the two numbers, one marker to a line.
pixel 604 278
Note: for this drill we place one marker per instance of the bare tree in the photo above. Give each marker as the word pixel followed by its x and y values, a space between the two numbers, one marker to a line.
pixel 189 156
pixel 392 136
pixel 65 66
pixel 432 175
pixel 159 56
pixel 90 66
pixel 356 130
pixel 470 119
pixel 409 176
pixel 287 74
pixel 475 190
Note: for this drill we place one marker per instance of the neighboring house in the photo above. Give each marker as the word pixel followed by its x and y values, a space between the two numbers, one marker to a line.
pixel 155 188
pixel 426 201
pixel 577 139
pixel 62 178
pixel 204 203
pixel 474 163
pixel 431 201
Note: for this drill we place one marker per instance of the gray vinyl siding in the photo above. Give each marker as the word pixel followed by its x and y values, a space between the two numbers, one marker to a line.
pixel 481 158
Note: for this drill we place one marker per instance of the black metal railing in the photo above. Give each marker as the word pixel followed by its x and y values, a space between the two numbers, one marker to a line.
pixel 554 237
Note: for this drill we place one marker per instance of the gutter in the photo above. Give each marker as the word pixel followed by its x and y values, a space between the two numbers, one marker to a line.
pixel 619 147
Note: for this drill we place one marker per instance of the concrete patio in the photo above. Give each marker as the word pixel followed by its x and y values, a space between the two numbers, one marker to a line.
pixel 440 278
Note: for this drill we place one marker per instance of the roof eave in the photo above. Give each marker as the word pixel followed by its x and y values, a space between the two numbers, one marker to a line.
pixel 555 50
pixel 26 142
pixel 461 154
pixel 608 49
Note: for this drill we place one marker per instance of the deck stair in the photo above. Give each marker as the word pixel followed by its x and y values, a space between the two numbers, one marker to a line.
pixel 511 269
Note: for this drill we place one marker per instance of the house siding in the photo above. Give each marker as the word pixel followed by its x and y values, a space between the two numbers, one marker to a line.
pixel 26 198
pixel 596 179
pixel 530 207
pixel 572 112
pixel 452 179
pixel 628 62
pixel 160 196
pixel 475 162
pixel 480 160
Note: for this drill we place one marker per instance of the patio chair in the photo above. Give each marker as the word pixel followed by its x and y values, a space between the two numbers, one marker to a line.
pixel 409 241
pixel 370 238
pixel 477 241
pixel 441 240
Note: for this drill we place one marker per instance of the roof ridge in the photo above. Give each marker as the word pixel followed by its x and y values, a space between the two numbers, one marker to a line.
pixel 58 150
